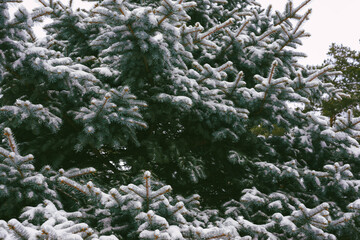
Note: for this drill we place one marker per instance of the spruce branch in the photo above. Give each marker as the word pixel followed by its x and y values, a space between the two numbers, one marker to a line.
pixel 301 21
pixel 242 28
pixel 268 10
pixel 165 189
pixel 292 38
pixel 73 185
pixel 349 124
pixel 147 187
pixel 18 229
pixel 274 64
pixel 215 29
pixel 178 208
pixel 266 34
pixel 319 73
pixel 43 3
pixel 165 17
pixel 41 14
pixel 234 38
pixel 16 75
pixel 285 31
pixel 218 236
pixel 238 78
pixel 106 98
pixel 200 38
pixel 31 34
pixel 11 140
pixel 340 221
pixel 292 12
pixel 75 173
pixel 210 72
pixel 11 1
pixel 60 4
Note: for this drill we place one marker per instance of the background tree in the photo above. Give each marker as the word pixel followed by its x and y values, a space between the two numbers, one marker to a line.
pixel 347 61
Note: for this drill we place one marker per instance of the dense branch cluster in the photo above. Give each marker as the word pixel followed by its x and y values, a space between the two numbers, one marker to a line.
pixel 207 96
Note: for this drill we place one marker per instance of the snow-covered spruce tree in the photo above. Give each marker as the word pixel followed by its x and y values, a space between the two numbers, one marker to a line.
pixel 157 65
pixel 45 221
pixel 68 33
pixel 218 95
pixel 21 185
pixel 219 112
pixel 220 92
pixel 58 109
pixel 147 210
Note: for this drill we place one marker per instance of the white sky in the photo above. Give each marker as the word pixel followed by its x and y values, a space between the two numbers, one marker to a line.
pixel 331 21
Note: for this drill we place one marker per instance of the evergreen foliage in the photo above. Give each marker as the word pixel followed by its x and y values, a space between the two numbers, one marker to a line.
pixel 347 61
pixel 208 96
pixel 54 102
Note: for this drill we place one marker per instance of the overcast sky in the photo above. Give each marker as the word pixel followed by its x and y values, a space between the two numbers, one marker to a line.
pixel 331 21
